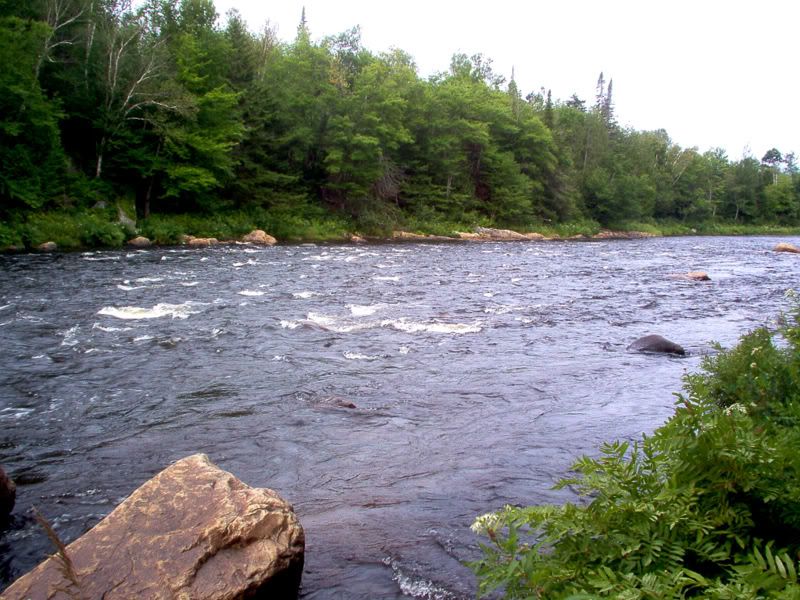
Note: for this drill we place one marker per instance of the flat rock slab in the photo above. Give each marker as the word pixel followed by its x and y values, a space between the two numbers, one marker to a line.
pixel 192 532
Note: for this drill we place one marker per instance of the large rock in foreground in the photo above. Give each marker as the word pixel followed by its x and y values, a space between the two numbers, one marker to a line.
pixel 192 532
pixel 8 495
pixel 656 344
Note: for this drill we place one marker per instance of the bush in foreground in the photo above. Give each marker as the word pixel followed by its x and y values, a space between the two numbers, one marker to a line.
pixel 706 507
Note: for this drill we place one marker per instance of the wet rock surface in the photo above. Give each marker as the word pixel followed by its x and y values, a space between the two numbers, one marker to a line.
pixel 193 531
pixel 259 237
pixel 786 247
pixel 140 242
pixel 656 344
pixel 8 495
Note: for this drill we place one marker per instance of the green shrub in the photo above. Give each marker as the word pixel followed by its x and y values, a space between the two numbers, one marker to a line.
pixel 59 227
pixel 97 232
pixel 707 507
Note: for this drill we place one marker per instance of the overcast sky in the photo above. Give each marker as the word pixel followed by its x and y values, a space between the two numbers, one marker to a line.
pixel 711 73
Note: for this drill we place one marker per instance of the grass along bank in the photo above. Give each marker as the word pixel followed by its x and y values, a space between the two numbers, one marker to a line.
pixel 103 228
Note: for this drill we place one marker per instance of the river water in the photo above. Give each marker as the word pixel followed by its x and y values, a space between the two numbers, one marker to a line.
pixel 478 373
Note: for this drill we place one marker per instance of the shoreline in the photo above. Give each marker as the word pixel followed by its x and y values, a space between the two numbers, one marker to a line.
pixel 480 235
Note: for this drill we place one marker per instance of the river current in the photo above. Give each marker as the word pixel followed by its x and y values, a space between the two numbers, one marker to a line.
pixel 391 392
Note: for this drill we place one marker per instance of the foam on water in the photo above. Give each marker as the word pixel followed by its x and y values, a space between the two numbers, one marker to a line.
pixel 289 324
pixel 100 258
pixel 70 334
pixel 336 325
pixel 110 329
pixel 305 295
pixel 253 293
pixel 14 413
pixel 176 311
pixel 416 588
pixel 431 327
pixel 358 356
pixel 358 310
pixel 387 278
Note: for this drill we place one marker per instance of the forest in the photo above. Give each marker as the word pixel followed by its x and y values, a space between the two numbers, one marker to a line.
pixel 197 122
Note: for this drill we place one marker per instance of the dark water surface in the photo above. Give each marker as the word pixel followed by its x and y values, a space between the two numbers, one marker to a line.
pixel 478 371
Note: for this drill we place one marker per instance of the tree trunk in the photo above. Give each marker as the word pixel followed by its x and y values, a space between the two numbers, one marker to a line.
pixel 101 148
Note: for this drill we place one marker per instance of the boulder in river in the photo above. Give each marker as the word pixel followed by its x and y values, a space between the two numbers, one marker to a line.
pixel 692 276
pixel 47 247
pixel 193 531
pixel 786 247
pixel 8 495
pixel 196 242
pixel 406 236
pixel 656 344
pixel 140 242
pixel 260 237
pixel 500 235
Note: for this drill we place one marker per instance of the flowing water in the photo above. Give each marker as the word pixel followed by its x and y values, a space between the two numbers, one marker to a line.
pixel 477 372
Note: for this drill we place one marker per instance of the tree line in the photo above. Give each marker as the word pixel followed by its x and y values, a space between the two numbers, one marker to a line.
pixel 165 104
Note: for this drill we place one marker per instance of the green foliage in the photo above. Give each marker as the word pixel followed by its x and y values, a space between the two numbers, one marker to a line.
pixel 708 506
pixel 71 230
pixel 159 101
pixel 31 160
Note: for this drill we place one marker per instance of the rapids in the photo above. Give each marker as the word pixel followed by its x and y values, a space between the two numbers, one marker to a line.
pixel 478 372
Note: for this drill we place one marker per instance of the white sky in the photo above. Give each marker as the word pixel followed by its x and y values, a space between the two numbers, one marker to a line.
pixel 712 73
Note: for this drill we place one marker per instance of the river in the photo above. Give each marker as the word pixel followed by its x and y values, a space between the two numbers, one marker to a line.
pixel 478 372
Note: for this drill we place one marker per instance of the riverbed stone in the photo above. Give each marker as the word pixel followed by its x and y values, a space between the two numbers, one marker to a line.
pixel 656 344
pixel 786 247
pixel 260 237
pixel 500 235
pixel 198 242
pixel 406 236
pixel 192 532
pixel 140 242
pixel 692 276
pixel 47 247
pixel 8 495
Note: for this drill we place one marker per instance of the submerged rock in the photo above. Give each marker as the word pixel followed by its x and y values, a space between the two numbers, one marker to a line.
pixel 140 242
pixel 656 344
pixel 8 495
pixel 260 237
pixel 193 531
pixel 786 247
